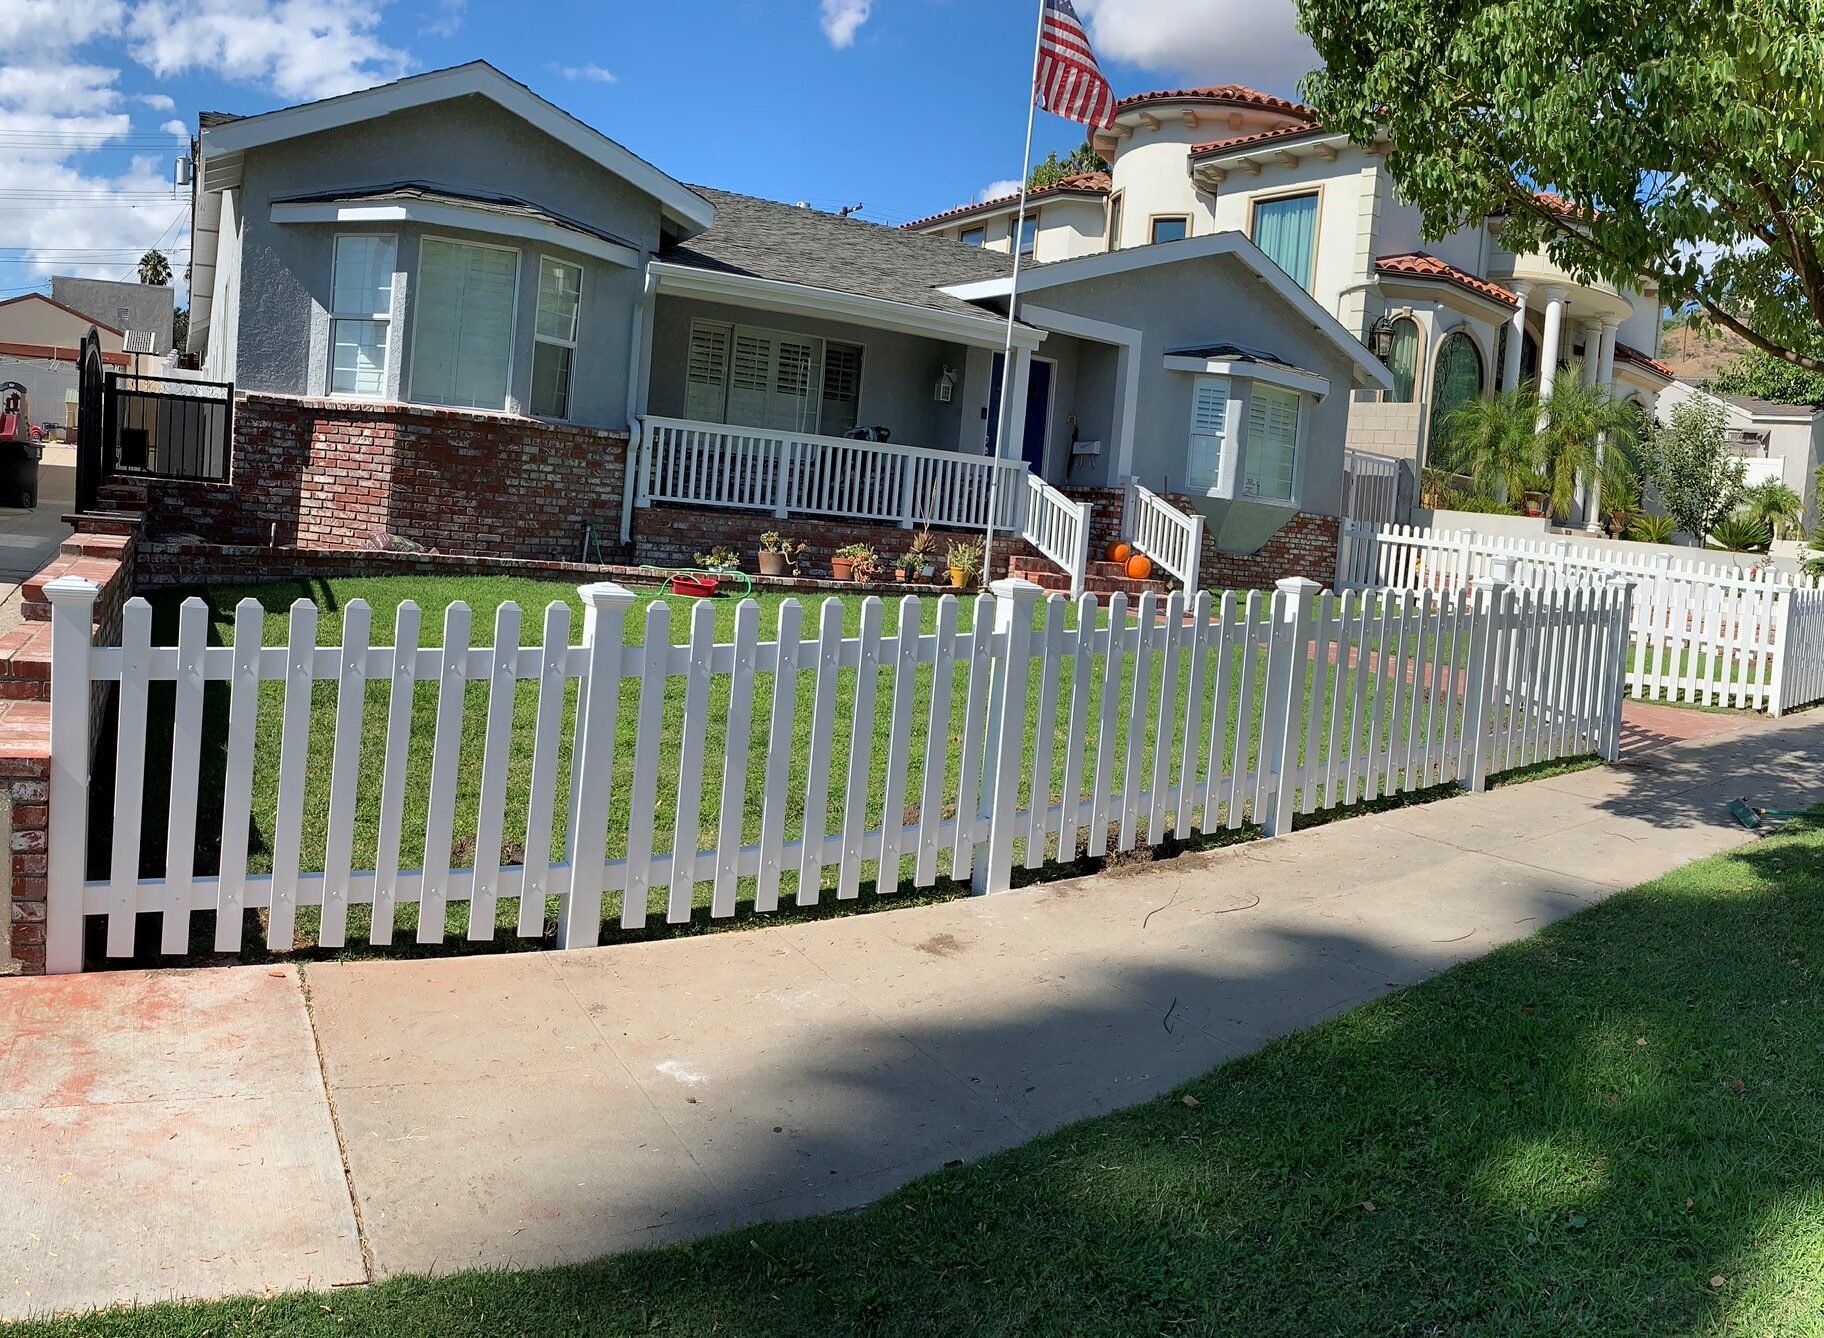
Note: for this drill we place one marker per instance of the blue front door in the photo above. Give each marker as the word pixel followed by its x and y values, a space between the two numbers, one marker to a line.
pixel 1038 414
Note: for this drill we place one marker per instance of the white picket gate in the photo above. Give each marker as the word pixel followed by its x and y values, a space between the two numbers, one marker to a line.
pixel 1704 633
pixel 1045 728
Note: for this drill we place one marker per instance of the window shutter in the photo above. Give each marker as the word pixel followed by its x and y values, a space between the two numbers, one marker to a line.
pixel 462 341
pixel 750 379
pixel 1272 443
pixel 841 389
pixel 1209 417
pixel 706 383
pixel 790 407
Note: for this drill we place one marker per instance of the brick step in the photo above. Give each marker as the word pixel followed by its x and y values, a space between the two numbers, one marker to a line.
pixel 1100 586
pixel 95 545
pixel 105 522
pixel 25 663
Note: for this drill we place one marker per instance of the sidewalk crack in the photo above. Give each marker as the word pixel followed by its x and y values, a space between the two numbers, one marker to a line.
pixel 335 1123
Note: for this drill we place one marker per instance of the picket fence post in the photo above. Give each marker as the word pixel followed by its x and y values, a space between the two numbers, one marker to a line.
pixel 579 916
pixel 1280 720
pixel 72 600
pixel 1015 600
pixel 1782 632
pixel 1488 612
pixel 1615 690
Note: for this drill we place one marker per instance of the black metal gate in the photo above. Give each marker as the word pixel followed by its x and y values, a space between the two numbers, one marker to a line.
pixel 91 390
pixel 166 427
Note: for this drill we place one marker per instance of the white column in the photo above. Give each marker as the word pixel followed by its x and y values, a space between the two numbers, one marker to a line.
pixel 1548 344
pixel 1516 341
pixel 1011 440
pixel 1605 378
pixel 1605 371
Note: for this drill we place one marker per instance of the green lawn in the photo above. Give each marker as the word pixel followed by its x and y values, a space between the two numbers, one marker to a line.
pixel 1612 1128
pixel 484 596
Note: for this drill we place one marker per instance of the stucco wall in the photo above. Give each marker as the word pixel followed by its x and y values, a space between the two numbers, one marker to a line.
pixel 467 146
pixel 1203 301
pixel 898 375
pixel 33 320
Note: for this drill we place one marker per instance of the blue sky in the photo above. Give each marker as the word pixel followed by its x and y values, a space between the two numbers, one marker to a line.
pixel 904 106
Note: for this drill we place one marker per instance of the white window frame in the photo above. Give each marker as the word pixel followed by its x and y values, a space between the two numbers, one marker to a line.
pixel 821 343
pixel 576 325
pixel 386 318
pixel 1299 437
pixel 1152 227
pixel 512 329
pixel 1032 221
pixel 980 231
pixel 1227 439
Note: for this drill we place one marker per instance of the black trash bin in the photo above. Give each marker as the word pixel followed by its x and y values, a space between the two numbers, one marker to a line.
pixel 19 473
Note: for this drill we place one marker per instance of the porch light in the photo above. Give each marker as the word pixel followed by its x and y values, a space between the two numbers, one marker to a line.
pixel 1380 339
pixel 946 387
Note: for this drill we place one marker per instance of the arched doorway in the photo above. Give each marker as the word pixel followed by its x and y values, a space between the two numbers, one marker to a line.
pixel 1403 360
pixel 1457 380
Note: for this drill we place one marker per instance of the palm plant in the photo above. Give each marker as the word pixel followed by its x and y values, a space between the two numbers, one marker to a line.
pixel 1813 565
pixel 1775 505
pixel 1585 434
pixel 1650 529
pixel 1493 441
pixel 1741 534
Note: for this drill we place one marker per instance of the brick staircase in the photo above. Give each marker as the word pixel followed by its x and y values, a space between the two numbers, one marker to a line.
pixel 1102 579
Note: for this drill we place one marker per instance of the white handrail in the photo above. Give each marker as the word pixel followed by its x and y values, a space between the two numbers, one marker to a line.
pixel 1059 528
pixel 1164 533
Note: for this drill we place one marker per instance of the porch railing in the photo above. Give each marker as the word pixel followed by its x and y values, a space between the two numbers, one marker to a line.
pixel 1164 533
pixel 796 474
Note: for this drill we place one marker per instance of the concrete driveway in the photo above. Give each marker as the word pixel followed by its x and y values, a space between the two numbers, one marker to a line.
pixel 29 539
pixel 209 1133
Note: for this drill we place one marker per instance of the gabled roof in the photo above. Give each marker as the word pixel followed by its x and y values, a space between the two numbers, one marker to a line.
pixel 1628 353
pixel 788 244
pixel 1058 273
pixel 1422 265
pixel 1237 95
pixel 1088 185
pixel 686 210
pixel 66 309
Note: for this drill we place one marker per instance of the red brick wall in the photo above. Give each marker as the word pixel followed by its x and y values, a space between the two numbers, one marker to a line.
pixel 335 474
pixel 1305 547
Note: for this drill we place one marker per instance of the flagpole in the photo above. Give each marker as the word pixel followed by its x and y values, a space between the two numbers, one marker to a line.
pixel 1004 428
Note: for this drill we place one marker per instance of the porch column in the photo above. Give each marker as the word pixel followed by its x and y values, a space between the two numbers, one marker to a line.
pixel 1605 378
pixel 1605 371
pixel 1589 491
pixel 1516 341
pixel 1008 444
pixel 1592 351
pixel 1548 343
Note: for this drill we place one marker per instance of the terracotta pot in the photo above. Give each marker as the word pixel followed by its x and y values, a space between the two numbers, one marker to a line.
pixel 899 574
pixel 774 564
pixel 843 569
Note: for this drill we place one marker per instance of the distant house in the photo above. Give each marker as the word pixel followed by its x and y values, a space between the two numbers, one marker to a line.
pixel 452 257
pixel 39 338
pixel 1778 441
pixel 142 312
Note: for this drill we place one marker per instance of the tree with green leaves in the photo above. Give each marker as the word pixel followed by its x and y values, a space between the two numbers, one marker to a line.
pixel 1688 462
pixel 154 269
pixel 180 328
pixel 1764 377
pixel 1682 142
pixel 1054 169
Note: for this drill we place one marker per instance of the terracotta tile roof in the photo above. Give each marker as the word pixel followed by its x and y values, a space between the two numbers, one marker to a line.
pixel 1628 353
pixel 1239 95
pixel 1258 137
pixel 1083 183
pixel 1421 265
pixel 1556 203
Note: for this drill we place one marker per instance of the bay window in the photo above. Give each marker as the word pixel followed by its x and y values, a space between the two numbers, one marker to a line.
pixel 560 296
pixel 361 315
pixel 462 334
pixel 1209 433
pixel 1271 457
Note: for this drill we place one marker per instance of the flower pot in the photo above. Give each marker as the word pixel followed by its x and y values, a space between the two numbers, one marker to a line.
pixel 958 577
pixel 774 564
pixel 697 587
pixel 899 574
pixel 843 569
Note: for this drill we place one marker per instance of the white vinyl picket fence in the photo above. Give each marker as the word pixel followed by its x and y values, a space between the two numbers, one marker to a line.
pixel 1705 633
pixel 922 744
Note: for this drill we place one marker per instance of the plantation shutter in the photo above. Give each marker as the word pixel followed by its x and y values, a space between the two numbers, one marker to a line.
pixel 841 406
pixel 750 380
pixel 789 408
pixel 706 378
pixel 1209 419
pixel 1272 443
pixel 462 338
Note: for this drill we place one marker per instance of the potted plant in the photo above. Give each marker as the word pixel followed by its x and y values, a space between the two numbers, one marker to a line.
pixel 720 558
pixel 965 558
pixel 921 557
pixel 779 554
pixel 854 562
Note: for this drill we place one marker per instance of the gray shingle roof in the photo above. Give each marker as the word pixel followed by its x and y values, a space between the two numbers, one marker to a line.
pixel 508 205
pixel 769 240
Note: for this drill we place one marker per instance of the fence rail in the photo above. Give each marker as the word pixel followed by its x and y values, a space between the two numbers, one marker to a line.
pixel 1164 533
pixel 1702 632
pixel 705 775
pixel 706 464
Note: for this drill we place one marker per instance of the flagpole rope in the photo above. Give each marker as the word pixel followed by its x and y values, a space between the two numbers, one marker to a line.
pixel 1004 428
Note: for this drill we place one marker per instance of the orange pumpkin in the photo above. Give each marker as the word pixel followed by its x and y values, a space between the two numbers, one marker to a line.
pixel 1139 567
pixel 1120 552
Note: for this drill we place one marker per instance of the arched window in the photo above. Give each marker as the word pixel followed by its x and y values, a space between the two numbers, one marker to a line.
pixel 1457 380
pixel 1403 360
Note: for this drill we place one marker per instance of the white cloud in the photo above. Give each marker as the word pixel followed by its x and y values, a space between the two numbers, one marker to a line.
pixel 843 18
pixel 156 101
pixel 1254 42
pixel 998 190
pixel 33 26
pixel 300 49
pixel 175 127
pixel 447 20
pixel 593 74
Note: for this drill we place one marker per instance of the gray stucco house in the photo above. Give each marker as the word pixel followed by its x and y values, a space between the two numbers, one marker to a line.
pixel 453 242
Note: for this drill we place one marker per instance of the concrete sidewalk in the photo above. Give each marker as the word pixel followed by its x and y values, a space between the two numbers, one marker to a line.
pixel 232 1131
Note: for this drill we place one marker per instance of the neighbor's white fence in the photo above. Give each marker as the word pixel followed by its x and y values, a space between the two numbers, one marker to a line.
pixel 1798 672
pixel 1048 727
pixel 1703 632
pixel 1164 533
pixel 795 474
pixel 1371 487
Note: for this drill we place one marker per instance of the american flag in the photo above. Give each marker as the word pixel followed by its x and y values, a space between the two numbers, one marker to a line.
pixel 1069 82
